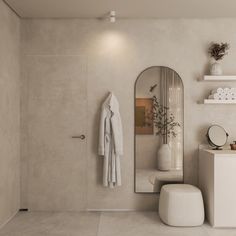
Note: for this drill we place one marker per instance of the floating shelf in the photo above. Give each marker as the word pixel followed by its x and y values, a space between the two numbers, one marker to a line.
pixel 213 101
pixel 219 77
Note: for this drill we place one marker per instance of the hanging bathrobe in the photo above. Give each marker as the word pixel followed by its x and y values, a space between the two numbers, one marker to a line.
pixel 111 141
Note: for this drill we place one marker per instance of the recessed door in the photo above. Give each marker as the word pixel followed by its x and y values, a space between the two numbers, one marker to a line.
pixel 56 133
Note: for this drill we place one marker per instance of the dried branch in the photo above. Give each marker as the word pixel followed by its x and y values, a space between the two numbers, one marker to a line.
pixel 218 50
pixel 164 123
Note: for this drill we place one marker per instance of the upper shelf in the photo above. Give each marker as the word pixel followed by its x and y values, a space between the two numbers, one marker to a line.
pixel 213 101
pixel 219 77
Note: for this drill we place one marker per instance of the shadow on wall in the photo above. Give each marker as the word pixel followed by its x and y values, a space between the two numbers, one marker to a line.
pixel 201 133
pixel 206 63
pixel 205 71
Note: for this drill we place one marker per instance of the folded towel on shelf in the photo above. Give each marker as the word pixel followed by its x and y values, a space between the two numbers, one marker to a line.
pixel 233 96
pixel 214 96
pixel 223 94
pixel 218 90
pixel 227 90
pixel 233 90
pixel 217 96
pixel 228 96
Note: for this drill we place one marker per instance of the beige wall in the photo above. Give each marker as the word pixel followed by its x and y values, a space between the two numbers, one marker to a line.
pixel 115 54
pixel 9 113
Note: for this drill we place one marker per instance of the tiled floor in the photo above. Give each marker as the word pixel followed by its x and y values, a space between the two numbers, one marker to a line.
pixel 101 224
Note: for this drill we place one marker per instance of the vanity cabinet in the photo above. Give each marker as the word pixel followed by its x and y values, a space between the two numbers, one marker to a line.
pixel 217 180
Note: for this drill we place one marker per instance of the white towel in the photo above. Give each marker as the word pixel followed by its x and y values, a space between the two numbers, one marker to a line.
pixel 222 96
pixel 227 90
pixel 217 96
pixel 228 96
pixel 218 90
pixel 233 90
pixel 214 96
pixel 233 95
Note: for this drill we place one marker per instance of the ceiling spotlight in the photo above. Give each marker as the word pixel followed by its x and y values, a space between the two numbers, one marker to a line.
pixel 112 16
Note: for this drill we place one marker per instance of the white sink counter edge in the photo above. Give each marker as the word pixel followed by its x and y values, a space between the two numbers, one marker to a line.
pixel 223 152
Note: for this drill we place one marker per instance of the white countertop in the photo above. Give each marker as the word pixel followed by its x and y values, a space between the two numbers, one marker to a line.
pixel 220 152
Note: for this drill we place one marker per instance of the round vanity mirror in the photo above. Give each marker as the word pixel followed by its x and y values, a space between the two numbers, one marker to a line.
pixel 217 136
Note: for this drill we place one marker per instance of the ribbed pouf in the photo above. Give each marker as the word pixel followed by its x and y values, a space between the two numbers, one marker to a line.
pixel 181 205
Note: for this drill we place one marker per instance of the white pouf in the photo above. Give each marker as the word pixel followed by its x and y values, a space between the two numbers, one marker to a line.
pixel 181 205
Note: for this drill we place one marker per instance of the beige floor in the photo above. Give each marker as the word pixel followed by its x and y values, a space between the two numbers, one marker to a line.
pixel 101 224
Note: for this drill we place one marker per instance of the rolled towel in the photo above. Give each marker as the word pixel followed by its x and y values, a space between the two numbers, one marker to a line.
pixel 228 96
pixel 215 96
pixel 218 90
pixel 233 94
pixel 233 90
pixel 227 90
pixel 222 96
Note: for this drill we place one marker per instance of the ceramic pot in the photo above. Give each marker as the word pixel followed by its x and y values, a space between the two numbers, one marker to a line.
pixel 233 146
pixel 164 158
pixel 216 69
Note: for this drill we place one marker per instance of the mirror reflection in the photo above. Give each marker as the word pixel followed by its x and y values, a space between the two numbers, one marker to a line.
pixel 158 129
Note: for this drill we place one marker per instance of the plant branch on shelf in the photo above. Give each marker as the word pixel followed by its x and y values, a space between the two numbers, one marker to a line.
pixel 218 50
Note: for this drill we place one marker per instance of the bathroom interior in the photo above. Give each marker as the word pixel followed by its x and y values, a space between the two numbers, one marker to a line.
pixel 117 118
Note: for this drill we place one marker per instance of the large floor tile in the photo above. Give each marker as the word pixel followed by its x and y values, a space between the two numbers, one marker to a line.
pixel 27 224
pixel 128 223
pixel 52 224
pixel 219 231
pixel 75 224
pixel 182 231
pixel 142 223
pixel 101 224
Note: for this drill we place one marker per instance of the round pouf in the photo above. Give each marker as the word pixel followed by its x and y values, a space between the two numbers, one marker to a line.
pixel 181 205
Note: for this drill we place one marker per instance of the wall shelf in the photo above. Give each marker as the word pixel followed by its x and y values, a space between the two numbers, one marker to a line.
pixel 213 101
pixel 219 78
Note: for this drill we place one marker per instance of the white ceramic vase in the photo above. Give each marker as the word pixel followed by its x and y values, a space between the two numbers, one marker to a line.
pixel 164 158
pixel 216 69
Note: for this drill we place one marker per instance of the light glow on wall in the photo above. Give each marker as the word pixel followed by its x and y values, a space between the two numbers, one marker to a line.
pixel 113 42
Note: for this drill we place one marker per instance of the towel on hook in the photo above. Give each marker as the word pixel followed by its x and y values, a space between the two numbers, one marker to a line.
pixel 111 141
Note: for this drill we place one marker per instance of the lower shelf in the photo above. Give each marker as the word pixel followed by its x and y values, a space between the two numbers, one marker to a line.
pixel 213 101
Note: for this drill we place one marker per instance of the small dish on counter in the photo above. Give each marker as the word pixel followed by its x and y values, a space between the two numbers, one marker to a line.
pixel 233 145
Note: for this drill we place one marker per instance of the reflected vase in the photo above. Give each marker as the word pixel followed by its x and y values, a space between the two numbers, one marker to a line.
pixel 164 158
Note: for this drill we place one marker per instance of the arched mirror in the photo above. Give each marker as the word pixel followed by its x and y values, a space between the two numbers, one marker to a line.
pixel 159 124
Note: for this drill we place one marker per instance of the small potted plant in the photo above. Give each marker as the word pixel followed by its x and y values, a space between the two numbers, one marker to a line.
pixel 165 124
pixel 217 51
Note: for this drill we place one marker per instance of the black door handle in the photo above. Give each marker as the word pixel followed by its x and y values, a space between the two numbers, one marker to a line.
pixel 82 136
